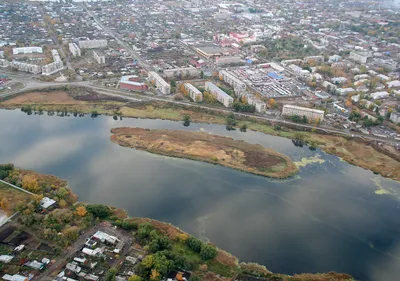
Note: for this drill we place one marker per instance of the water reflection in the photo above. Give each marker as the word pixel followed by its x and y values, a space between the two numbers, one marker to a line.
pixel 326 218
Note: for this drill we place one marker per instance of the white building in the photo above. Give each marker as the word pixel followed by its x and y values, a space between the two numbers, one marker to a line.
pixel 92 44
pixel 259 104
pixel 193 92
pixel 311 114
pixel 345 91
pixel 47 202
pixel 238 85
pixel 75 50
pixel 298 70
pixel 393 84
pixel 181 72
pixel 6 258
pixel 359 57
pixel 395 117
pixel 276 67
pixel 159 83
pixel 28 50
pixel 55 66
pixel 26 67
pixel 99 57
pixel 15 277
pixel 380 95
pixel 220 95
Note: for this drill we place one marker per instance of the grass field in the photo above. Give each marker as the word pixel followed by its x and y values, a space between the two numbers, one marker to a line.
pixel 12 197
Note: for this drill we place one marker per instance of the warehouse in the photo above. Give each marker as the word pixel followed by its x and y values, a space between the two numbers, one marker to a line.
pixel 131 83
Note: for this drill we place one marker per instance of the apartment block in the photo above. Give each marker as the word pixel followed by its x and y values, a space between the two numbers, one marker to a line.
pixel 92 44
pixel 238 85
pixel 311 114
pixel 75 50
pixel 159 83
pixel 220 95
pixel 99 57
pixel 55 66
pixel 193 92
pixel 27 50
pixel 181 72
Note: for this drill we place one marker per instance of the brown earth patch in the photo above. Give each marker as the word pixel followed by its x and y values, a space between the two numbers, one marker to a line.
pixel 209 148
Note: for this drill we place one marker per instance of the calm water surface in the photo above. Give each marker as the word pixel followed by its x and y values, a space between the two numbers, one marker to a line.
pixel 328 218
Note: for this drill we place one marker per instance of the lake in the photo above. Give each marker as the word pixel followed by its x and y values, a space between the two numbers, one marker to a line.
pixel 332 216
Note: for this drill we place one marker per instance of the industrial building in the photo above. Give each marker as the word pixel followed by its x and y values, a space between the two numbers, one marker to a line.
pixel 193 92
pixel 181 72
pixel 99 57
pixel 131 83
pixel 27 50
pixel 238 85
pixel 55 66
pixel 311 114
pixel 75 50
pixel 159 83
pixel 92 44
pixel 220 95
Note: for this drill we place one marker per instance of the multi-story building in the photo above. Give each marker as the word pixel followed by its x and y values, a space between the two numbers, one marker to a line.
pixel 181 72
pixel 159 83
pixel 220 95
pixel 311 114
pixel 238 85
pixel 75 50
pixel 193 92
pixel 55 66
pixel 259 104
pixel 92 44
pixel 31 68
pixel 359 57
pixel 99 57
pixel 395 117
pixel 28 50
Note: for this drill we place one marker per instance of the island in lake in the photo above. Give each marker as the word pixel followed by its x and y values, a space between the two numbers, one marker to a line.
pixel 224 151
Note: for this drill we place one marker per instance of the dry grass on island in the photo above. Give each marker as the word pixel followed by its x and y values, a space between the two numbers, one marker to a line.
pixel 204 147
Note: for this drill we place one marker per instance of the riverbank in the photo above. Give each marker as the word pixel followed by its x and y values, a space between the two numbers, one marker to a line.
pixel 381 159
pixel 219 150
pixel 60 227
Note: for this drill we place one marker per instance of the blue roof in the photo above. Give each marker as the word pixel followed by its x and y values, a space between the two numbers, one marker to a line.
pixel 274 75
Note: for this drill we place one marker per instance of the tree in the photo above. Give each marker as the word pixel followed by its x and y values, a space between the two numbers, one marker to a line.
pixel 98 210
pixel 30 183
pixel 5 204
pixel 243 128
pixel 144 230
pixel 201 74
pixel 135 277
pixel 186 120
pixel 194 244
pixel 111 274
pixel 272 103
pixel 348 103
pixel 71 233
pixel 81 211
pixel 208 252
pixel 155 275
pixel 173 83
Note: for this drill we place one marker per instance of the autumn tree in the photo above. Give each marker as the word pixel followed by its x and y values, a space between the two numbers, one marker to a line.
pixel 348 103
pixel 30 183
pixel 5 204
pixel 135 277
pixel 81 211
pixel 71 233
pixel 272 102
pixel 155 275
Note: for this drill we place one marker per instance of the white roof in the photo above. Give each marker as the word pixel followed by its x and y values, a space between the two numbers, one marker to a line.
pixel 6 258
pixel 46 202
pixel 15 277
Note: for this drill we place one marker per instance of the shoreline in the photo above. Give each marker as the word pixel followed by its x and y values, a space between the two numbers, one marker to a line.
pixel 354 151
pixel 208 148
pixel 222 267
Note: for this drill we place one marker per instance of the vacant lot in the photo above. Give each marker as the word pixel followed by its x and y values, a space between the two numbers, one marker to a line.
pixel 204 147
pixel 11 197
